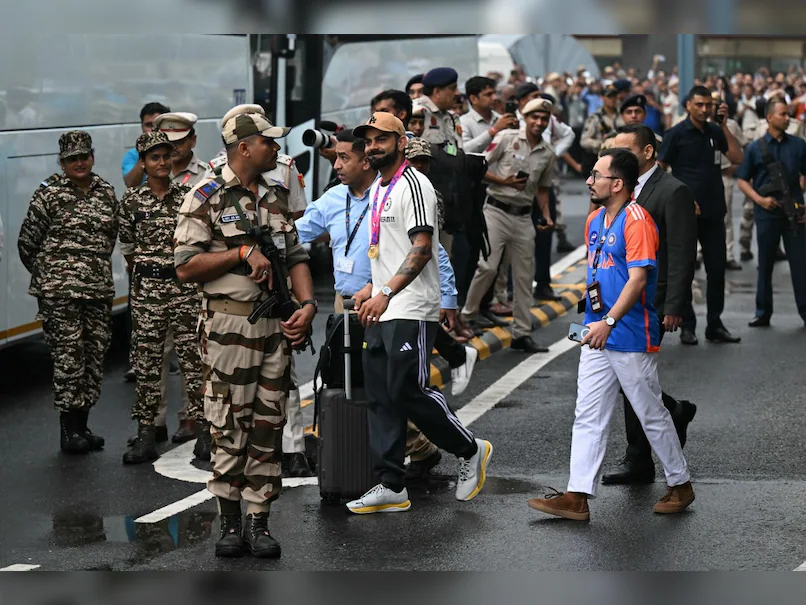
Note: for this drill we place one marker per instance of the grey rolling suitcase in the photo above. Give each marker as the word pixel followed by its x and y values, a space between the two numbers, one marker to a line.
pixel 344 464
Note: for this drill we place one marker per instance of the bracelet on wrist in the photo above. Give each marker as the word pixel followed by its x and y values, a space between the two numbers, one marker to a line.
pixel 252 249
pixel 241 252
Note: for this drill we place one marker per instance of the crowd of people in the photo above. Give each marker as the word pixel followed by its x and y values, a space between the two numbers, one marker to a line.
pixel 440 221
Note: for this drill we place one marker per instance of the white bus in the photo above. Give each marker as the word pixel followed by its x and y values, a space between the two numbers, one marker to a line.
pixel 98 83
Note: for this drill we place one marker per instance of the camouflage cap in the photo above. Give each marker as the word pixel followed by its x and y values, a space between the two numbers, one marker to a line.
pixel 245 125
pixel 149 140
pixel 417 148
pixel 239 109
pixel 75 142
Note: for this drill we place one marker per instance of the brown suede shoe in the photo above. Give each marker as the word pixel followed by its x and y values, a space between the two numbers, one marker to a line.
pixel 570 505
pixel 676 500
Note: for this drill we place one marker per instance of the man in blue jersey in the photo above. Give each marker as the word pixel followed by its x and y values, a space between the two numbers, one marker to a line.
pixel 621 348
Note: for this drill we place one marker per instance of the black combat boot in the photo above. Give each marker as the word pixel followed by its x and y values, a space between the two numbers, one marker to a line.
pixel 82 416
pixel 258 539
pixel 230 543
pixel 72 441
pixel 145 448
pixel 204 441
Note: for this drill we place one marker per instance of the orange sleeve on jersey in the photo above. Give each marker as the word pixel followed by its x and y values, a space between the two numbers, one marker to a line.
pixel 640 234
pixel 588 226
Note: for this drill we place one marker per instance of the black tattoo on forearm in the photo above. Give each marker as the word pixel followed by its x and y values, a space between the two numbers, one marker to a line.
pixel 416 259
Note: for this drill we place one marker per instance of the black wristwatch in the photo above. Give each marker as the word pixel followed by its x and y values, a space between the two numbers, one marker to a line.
pixel 311 301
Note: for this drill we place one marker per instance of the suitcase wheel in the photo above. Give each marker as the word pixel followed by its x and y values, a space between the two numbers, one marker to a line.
pixel 331 499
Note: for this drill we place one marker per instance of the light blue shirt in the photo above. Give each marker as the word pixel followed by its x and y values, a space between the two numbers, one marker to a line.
pixel 328 215
pixel 130 158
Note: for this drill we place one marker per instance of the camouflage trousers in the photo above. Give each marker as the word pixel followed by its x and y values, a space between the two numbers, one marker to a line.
pixel 78 332
pixel 746 226
pixel 157 305
pixel 247 377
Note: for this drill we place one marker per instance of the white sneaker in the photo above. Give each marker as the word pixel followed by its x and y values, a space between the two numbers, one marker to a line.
pixel 473 472
pixel 460 377
pixel 380 499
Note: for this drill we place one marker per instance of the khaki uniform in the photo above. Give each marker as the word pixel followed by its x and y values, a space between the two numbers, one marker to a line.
pixel 159 302
pixel 66 243
pixel 247 372
pixel 729 183
pixel 440 126
pixel 192 174
pixel 508 154
pixel 597 127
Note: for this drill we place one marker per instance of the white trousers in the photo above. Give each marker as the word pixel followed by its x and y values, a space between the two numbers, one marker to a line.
pixel 293 431
pixel 600 374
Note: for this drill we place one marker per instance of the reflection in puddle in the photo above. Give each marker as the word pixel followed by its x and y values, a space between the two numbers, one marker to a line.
pixel 72 528
pixel 436 484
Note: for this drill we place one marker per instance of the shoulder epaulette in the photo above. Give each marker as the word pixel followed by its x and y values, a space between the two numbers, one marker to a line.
pixel 53 178
pixel 204 192
pixel 284 159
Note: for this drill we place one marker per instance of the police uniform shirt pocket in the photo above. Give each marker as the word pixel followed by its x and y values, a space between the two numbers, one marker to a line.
pixel 217 403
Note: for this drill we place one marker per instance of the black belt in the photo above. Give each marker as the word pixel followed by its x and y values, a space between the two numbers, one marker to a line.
pixel 509 208
pixel 155 271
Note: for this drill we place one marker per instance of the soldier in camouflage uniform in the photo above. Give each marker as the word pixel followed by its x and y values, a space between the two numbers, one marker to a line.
pixel 66 243
pixel 158 301
pixel 599 125
pixel 186 170
pixel 246 366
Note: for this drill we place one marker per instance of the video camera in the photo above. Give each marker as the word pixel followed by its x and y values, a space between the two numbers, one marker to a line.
pixel 318 138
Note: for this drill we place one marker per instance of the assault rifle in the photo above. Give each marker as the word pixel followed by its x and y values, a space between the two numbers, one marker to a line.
pixel 779 188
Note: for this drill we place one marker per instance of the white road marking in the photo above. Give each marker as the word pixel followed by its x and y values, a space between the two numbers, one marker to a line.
pixel 493 395
pixel 19 567
pixel 176 463
pixel 802 567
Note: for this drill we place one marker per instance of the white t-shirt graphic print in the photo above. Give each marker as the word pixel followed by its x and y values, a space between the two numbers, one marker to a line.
pixel 411 208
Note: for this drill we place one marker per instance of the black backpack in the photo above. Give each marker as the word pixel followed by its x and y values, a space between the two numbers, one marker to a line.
pixel 458 177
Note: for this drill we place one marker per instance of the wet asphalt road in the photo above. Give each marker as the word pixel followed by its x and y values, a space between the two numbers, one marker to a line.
pixel 745 452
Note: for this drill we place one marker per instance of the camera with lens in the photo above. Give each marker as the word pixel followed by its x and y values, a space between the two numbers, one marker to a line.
pixel 319 138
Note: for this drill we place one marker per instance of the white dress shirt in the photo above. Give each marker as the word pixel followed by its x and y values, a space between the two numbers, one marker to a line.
pixel 643 179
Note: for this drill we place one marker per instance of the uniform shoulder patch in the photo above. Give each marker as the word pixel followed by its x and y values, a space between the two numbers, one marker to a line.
pixel 491 146
pixel 204 192
pixel 53 178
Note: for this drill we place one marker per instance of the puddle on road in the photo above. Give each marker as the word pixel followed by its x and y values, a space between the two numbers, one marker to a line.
pixel 71 529
pixel 437 484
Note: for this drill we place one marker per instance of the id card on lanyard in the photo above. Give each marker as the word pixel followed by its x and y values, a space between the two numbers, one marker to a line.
pixel 594 289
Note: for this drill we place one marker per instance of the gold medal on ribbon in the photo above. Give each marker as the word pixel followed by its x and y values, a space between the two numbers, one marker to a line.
pixel 373 251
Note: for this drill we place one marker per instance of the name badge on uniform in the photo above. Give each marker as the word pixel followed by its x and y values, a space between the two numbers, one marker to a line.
pixel 345 265
pixel 279 241
pixel 519 157
pixel 229 218
pixel 595 296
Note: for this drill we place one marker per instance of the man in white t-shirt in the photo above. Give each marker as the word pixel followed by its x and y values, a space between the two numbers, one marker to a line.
pixel 400 310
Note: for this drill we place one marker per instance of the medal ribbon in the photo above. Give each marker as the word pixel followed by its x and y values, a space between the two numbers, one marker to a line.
pixel 377 209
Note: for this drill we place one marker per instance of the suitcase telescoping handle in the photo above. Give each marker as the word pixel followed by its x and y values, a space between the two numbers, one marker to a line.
pixel 349 305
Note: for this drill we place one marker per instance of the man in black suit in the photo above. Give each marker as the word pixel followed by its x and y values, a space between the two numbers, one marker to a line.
pixel 671 205
pixel 694 150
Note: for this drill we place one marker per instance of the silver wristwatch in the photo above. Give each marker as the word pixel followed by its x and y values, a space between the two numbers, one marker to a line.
pixel 609 321
pixel 387 292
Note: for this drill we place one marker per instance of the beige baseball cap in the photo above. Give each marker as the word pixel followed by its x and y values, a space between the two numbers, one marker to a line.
pixel 244 125
pixel 176 126
pixel 539 104
pixel 383 121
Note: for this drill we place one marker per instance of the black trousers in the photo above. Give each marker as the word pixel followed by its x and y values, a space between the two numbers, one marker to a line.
pixel 638 448
pixel 397 370
pixel 543 239
pixel 770 229
pixel 711 234
pixel 450 350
